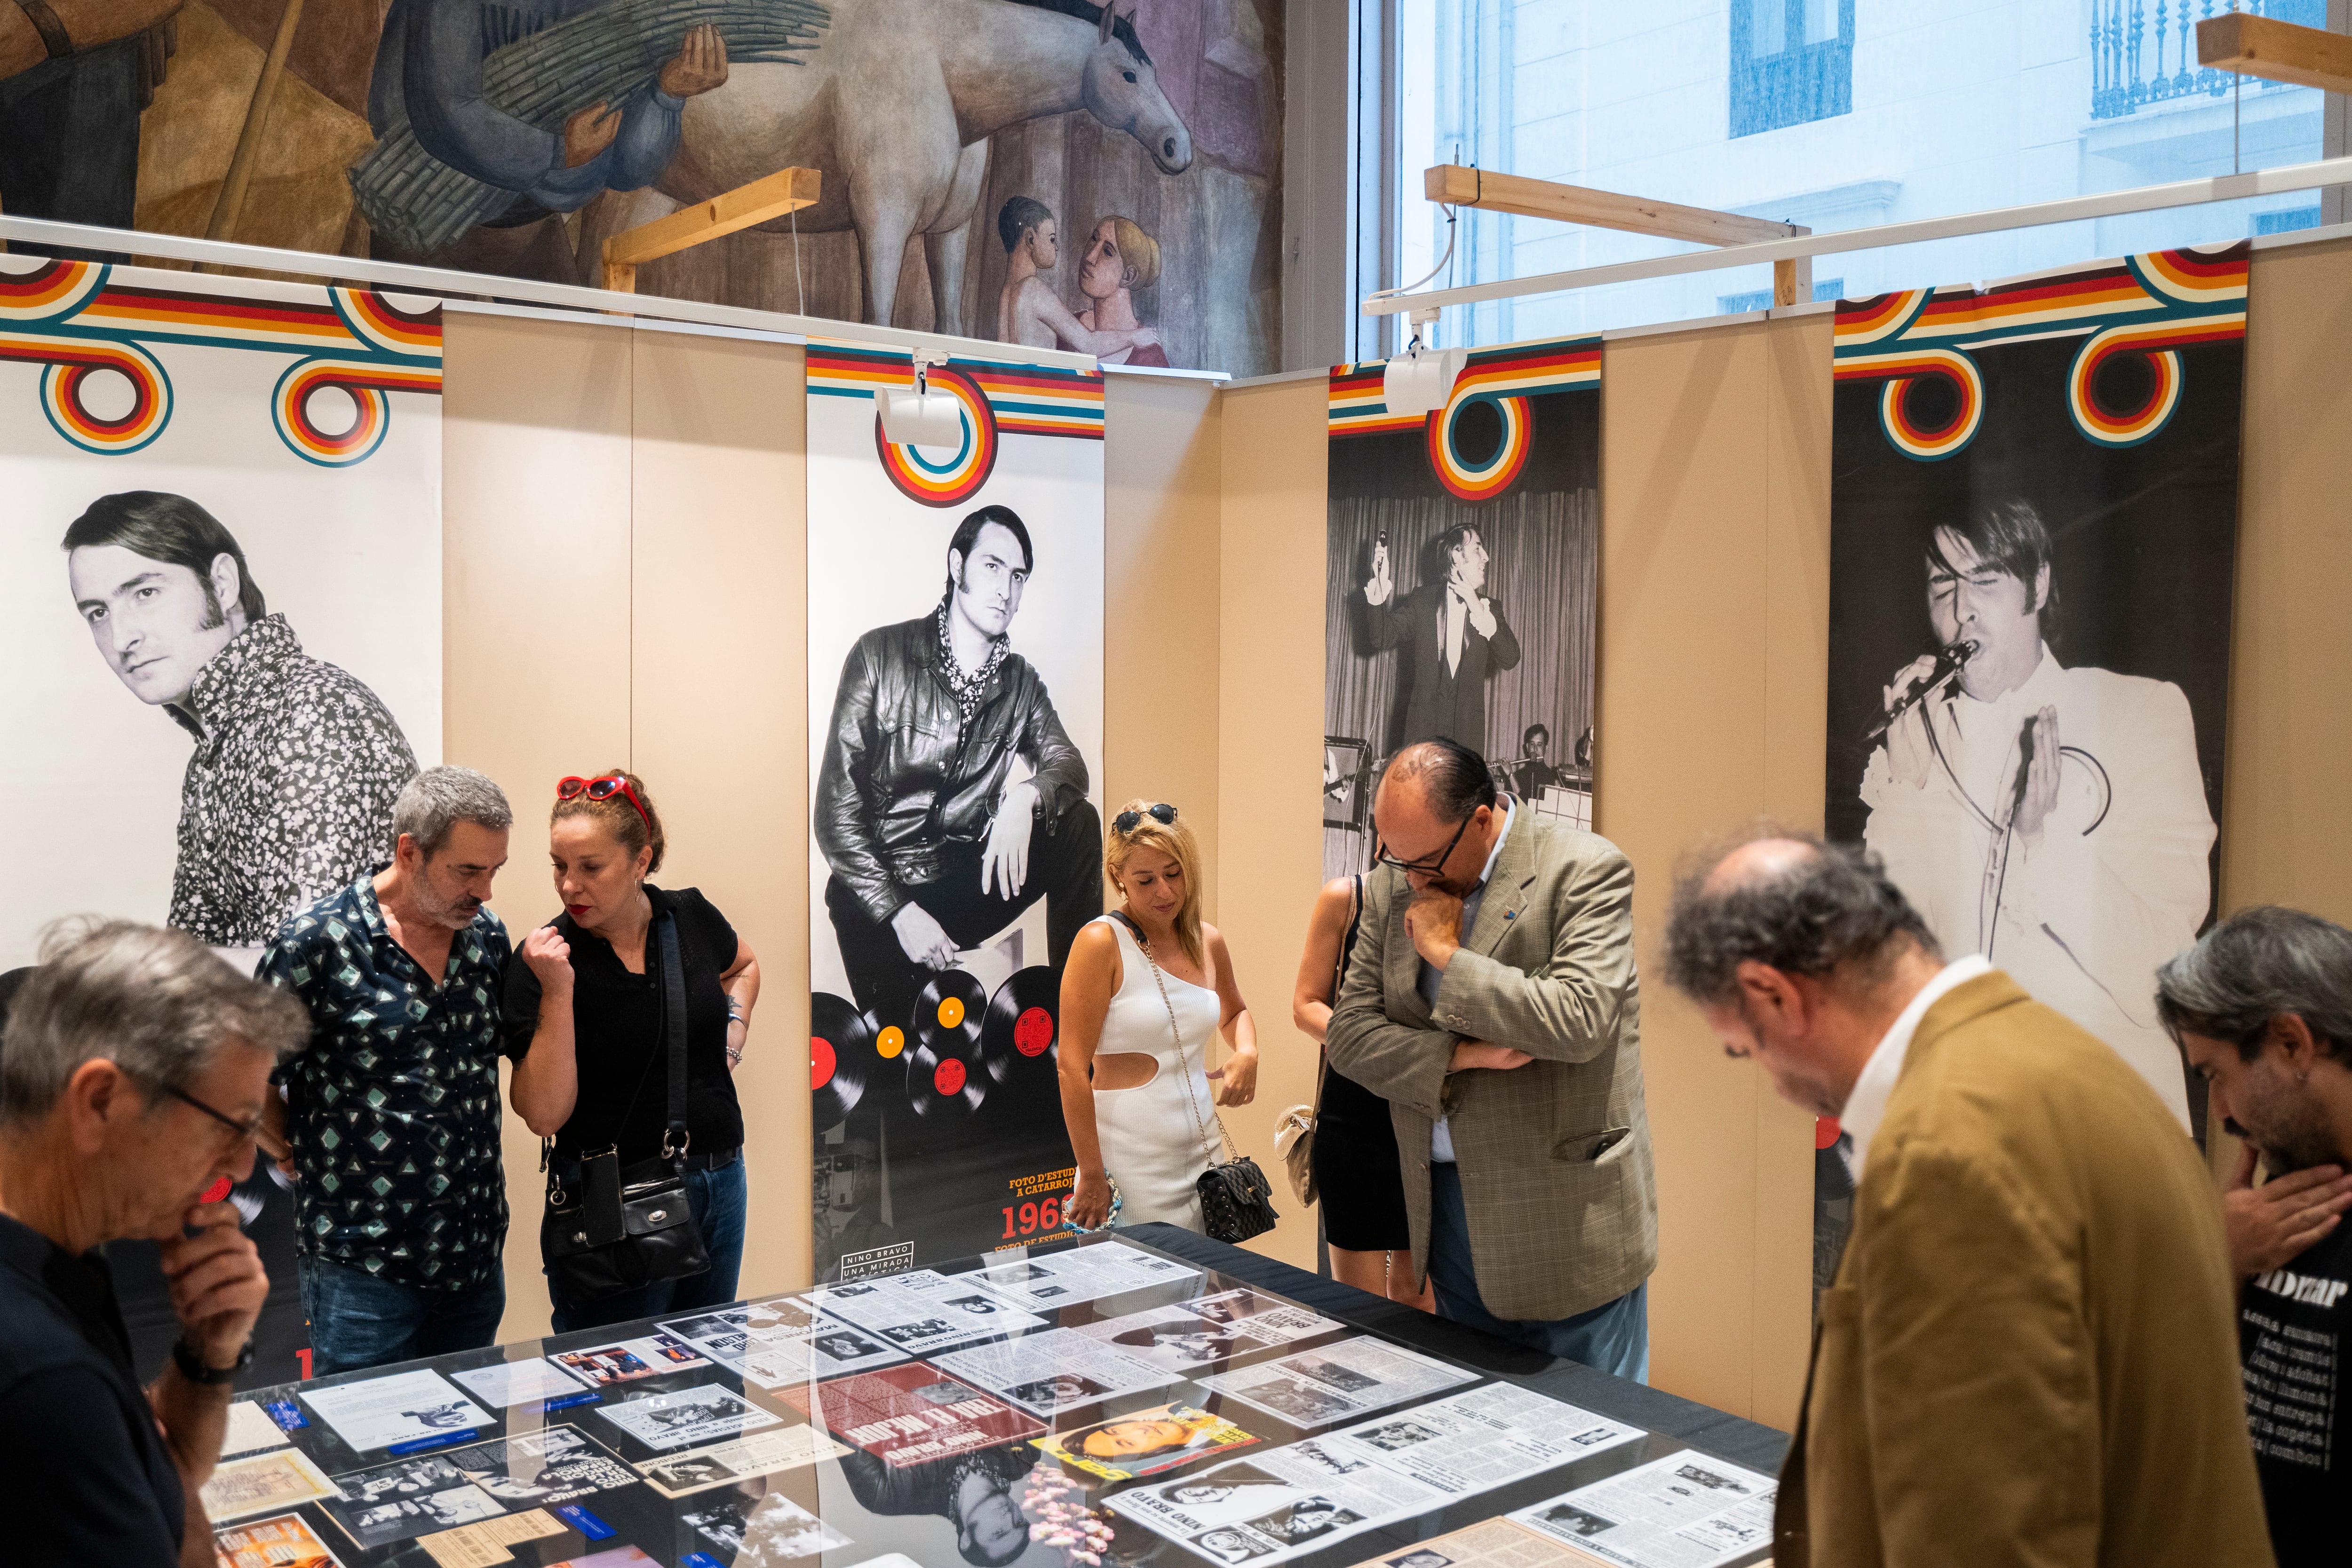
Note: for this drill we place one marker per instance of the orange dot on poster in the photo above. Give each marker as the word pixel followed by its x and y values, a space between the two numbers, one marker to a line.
pixel 890 1043
pixel 950 1012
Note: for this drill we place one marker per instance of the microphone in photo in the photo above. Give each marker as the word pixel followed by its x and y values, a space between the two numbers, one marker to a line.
pixel 1949 661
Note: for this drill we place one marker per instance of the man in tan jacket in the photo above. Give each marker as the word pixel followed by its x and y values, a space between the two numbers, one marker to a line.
pixel 1492 1001
pixel 2028 1354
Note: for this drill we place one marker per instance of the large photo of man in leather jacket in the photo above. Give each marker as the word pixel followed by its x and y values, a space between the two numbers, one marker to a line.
pixel 950 800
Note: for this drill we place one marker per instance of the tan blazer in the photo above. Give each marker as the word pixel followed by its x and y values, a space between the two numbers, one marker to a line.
pixel 2029 1353
pixel 1555 1156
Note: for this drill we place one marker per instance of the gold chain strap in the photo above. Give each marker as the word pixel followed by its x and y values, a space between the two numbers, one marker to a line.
pixel 1143 946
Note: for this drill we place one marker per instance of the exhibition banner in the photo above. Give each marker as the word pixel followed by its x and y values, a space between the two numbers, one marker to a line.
pixel 1459 598
pixel 955 759
pixel 2033 525
pixel 250 475
pixel 257 666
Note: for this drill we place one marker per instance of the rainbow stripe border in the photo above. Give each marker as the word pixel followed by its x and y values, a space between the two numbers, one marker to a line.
pixel 76 316
pixel 1515 370
pixel 2153 304
pixel 999 398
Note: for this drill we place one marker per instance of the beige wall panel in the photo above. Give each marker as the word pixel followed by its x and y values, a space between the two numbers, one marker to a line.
pixel 719 647
pixel 2288 792
pixel 1160 686
pixel 1685 613
pixel 1269 753
pixel 535 579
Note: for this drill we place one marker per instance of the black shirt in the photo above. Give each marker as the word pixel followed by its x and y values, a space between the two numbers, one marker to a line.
pixel 618 1035
pixel 78 1441
pixel 2290 1325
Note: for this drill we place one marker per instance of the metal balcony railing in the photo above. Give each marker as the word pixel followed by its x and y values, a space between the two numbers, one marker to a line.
pixel 2144 52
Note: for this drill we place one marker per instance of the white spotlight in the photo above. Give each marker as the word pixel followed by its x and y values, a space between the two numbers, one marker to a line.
pixel 923 418
pixel 1419 380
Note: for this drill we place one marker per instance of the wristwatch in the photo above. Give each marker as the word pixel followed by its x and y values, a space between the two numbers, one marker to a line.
pixel 192 1365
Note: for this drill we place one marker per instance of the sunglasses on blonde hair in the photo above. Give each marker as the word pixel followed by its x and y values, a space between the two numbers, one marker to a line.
pixel 1127 821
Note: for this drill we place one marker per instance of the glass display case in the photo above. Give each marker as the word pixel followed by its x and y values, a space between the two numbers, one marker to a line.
pixel 1107 1401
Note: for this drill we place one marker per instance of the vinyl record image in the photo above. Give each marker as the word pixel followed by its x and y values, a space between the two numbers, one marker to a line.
pixel 1024 1027
pixel 947 1076
pixel 842 1059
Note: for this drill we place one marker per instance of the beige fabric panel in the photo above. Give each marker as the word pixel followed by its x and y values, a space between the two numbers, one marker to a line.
pixel 718 639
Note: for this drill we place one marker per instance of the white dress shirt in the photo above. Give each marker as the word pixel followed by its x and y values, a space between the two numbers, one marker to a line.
pixel 1866 1106
pixel 1427 979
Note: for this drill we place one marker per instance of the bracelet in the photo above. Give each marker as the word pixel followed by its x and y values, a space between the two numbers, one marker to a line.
pixel 1118 1201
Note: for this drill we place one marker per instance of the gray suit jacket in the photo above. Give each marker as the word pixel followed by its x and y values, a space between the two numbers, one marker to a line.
pixel 1554 1156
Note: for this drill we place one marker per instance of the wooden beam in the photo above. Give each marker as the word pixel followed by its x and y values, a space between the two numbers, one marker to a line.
pixel 1458 186
pixel 2277 51
pixel 785 191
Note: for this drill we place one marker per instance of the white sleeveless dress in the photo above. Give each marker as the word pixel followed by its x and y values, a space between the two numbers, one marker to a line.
pixel 1151 1143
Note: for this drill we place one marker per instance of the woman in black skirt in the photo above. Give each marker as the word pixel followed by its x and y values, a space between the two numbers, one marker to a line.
pixel 1357 1177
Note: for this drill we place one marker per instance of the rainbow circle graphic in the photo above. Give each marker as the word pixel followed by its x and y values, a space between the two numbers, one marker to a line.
pixel 2132 426
pixel 67 379
pixel 57 288
pixel 289 408
pixel 379 324
pixel 1909 436
pixel 1468 478
pixel 955 479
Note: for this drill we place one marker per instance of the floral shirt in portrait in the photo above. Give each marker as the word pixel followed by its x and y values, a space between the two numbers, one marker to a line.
pixel 289 793
pixel 393 1111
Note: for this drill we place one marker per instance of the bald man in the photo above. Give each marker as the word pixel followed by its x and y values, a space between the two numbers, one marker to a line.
pixel 2028 1355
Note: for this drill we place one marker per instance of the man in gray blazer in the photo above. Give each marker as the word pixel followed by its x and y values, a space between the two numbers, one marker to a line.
pixel 1492 1000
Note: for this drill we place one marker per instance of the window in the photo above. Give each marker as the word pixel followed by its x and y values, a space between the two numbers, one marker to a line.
pixel 1792 63
pixel 1827 113
pixel 1761 299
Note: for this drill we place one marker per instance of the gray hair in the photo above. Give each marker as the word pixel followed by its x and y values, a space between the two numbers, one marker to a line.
pixel 2258 965
pixel 1822 911
pixel 157 1003
pixel 433 803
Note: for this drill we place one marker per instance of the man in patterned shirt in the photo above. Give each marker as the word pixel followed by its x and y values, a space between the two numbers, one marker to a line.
pixel 393 1113
pixel 290 785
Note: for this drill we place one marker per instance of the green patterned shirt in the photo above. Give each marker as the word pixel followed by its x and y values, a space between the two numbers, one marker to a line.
pixel 392 1113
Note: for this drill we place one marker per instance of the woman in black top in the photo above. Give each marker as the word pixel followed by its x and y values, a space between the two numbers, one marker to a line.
pixel 590 1061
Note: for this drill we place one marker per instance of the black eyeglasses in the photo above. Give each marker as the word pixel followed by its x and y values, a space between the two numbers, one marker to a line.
pixel 249 1128
pixel 1127 821
pixel 1428 865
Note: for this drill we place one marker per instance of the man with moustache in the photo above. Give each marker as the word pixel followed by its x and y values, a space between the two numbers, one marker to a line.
pixel 2051 817
pixel 2026 1355
pixel 1452 637
pixel 393 1113
pixel 2262 1010
pixel 296 762
pixel 950 800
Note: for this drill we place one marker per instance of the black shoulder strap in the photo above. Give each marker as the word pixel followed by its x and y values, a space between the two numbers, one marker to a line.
pixel 1355 928
pixel 674 1139
pixel 1124 918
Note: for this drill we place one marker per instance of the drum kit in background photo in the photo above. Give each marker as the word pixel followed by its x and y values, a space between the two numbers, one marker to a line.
pixel 959 1049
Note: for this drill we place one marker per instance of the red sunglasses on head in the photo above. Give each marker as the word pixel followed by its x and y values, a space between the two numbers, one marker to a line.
pixel 604 789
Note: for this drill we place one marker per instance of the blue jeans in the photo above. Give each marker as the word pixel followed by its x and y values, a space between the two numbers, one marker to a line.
pixel 1613 1337
pixel 358 1321
pixel 720 1199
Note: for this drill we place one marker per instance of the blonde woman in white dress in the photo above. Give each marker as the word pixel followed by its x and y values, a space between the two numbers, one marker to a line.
pixel 1138 1094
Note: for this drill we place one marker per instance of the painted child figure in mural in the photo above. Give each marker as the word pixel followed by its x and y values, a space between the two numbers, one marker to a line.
pixel 428 73
pixel 1450 638
pixel 1028 313
pixel 288 796
pixel 2051 819
pixel 950 798
pixel 1119 259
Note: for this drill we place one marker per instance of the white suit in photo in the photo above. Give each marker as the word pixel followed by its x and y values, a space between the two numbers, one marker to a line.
pixel 2116 882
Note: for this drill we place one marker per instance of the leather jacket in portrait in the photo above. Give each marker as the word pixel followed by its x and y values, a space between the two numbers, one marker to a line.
pixel 905 773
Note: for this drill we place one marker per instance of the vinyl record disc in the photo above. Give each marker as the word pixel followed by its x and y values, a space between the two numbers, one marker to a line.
pixel 842 1059
pixel 1024 1028
pixel 946 1075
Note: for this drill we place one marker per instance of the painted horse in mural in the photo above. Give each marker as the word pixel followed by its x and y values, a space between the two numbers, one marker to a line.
pixel 895 107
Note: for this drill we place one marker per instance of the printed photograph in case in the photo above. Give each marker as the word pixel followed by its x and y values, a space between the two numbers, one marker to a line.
pixel 1145 1443
pixel 764 1532
pixel 285 1541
